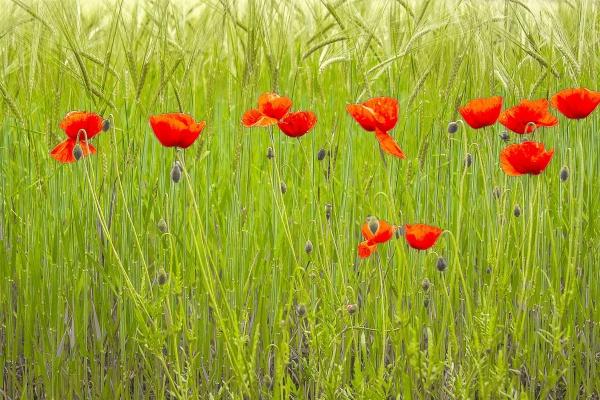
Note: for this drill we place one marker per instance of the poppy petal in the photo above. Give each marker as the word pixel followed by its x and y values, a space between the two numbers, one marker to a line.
pixel 421 236
pixel 365 249
pixel 479 113
pixel 75 121
pixel 388 144
pixel 525 158
pixel 63 152
pixel 274 106
pixel 363 115
pixel 576 103
pixel 527 116
pixel 385 110
pixel 384 233
pixel 255 118
pixel 297 124
pixel 176 129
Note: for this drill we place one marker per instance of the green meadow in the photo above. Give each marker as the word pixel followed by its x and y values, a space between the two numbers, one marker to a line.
pixel 118 283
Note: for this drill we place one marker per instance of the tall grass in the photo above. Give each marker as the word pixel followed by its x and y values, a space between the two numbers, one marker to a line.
pixel 97 302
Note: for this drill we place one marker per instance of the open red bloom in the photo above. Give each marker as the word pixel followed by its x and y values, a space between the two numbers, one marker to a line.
pixel 271 108
pixel 77 125
pixel 479 113
pixel 379 115
pixel 421 236
pixel 176 129
pixel 527 116
pixel 374 232
pixel 525 158
pixel 297 124
pixel 576 103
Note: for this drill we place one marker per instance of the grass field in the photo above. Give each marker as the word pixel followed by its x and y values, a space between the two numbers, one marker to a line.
pixel 99 298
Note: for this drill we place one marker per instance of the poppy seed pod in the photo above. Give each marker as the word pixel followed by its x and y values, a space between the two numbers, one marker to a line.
pixel 441 264
pixel 308 247
pixel 452 127
pixel 328 209
pixel 564 174
pixel 162 277
pixel 270 152
pixel 301 310
pixel 283 188
pixel 176 172
pixel 352 308
pixel 77 152
pixel 504 136
pixel 468 160
pixel 105 125
pixel 321 155
pixel 517 211
pixel 425 284
pixel 162 226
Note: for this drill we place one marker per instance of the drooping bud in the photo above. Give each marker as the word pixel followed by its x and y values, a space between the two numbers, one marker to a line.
pixel 321 155
pixel 425 284
pixel 468 160
pixel 162 225
pixel 452 127
pixel 301 310
pixel 176 172
pixel 505 136
pixel 162 276
pixel 517 211
pixel 270 152
pixel 308 247
pixel 564 174
pixel 77 152
pixel 283 187
pixel 328 210
pixel 441 264
pixel 105 125
pixel 352 308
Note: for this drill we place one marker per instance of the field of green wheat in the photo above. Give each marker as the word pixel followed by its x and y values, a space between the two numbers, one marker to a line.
pixel 242 280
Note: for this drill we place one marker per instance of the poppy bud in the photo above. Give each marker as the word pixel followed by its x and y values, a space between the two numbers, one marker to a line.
pixel 564 174
pixel 270 152
pixel 77 152
pixel 301 310
pixel 283 188
pixel 351 308
pixel 425 284
pixel 497 192
pixel 308 247
pixel 399 232
pixel 105 125
pixel 321 154
pixel 328 209
pixel 517 211
pixel 162 226
pixel 468 160
pixel 162 276
pixel 426 303
pixel 504 136
pixel 452 127
pixel 373 224
pixel 176 172
pixel 441 264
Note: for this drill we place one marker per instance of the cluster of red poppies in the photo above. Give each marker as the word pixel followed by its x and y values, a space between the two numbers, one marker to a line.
pixel 378 115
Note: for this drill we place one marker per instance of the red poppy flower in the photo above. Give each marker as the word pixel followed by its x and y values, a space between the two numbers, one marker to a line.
pixel 378 115
pixel 89 124
pixel 420 236
pixel 297 124
pixel 271 108
pixel 374 232
pixel 480 113
pixel 525 158
pixel 576 103
pixel 527 116
pixel 176 129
